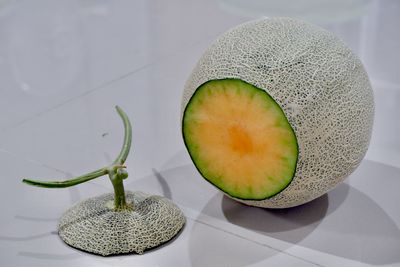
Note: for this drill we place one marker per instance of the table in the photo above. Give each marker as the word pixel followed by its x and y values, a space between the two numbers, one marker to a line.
pixel 65 64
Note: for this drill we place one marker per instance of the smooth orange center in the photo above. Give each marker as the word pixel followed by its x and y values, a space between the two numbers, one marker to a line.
pixel 240 140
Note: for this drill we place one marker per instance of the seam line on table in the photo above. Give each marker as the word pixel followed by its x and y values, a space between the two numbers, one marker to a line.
pixel 105 84
pixel 35 162
pixel 256 242
pixel 16 125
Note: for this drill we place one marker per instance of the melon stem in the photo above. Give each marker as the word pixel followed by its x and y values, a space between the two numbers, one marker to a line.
pixel 116 171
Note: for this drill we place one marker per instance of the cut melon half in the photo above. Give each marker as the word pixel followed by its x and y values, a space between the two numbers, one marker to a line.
pixel 240 139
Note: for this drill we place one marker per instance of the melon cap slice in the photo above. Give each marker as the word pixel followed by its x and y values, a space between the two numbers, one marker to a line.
pixel 93 225
pixel 240 139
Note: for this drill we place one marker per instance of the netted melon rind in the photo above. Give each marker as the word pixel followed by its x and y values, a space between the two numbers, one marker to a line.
pixel 93 226
pixel 320 85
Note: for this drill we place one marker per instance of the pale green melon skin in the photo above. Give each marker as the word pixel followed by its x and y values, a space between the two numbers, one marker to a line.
pixel 319 83
pixel 94 226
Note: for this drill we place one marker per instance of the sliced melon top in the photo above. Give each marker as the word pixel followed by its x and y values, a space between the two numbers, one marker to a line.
pixel 240 139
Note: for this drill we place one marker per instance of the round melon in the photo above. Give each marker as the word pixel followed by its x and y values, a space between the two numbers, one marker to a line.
pixel 277 112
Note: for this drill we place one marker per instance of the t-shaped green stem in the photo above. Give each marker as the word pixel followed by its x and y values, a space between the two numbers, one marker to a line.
pixel 116 171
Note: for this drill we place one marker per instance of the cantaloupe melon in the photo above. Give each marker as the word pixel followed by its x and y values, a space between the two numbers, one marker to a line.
pixel 277 112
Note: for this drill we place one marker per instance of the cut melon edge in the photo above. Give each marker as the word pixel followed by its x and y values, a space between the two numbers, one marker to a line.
pixel 268 196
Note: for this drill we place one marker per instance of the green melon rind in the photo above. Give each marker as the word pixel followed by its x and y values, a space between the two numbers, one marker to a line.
pixel 203 173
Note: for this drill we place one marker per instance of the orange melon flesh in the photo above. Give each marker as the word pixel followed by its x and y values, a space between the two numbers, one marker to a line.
pixel 239 139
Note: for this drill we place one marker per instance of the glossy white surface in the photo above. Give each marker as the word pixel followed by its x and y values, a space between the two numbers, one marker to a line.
pixel 65 64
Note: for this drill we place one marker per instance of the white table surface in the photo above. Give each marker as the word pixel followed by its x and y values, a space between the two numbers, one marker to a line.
pixel 65 64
